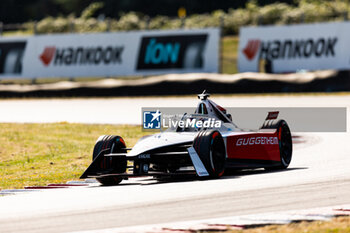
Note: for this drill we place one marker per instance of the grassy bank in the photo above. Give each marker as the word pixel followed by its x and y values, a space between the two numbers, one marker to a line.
pixel 38 154
pixel 229 54
pixel 336 225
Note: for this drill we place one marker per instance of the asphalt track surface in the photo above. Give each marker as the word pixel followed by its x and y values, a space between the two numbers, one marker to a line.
pixel 318 176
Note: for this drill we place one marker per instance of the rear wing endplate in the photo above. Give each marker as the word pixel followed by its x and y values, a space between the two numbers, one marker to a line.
pixel 269 118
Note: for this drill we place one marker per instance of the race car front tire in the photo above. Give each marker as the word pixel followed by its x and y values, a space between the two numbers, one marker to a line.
pixel 210 148
pixel 110 144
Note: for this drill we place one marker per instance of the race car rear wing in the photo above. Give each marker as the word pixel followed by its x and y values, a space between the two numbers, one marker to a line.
pixel 271 116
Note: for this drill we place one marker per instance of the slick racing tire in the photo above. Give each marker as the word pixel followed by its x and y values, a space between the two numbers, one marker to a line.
pixel 210 147
pixel 107 144
pixel 285 144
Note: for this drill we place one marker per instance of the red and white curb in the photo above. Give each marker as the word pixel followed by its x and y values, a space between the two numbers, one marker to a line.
pixel 69 184
pixel 236 222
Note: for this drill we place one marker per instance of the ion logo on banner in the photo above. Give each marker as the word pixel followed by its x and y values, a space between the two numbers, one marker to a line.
pixel 290 49
pixel 164 52
pixel 81 56
pixel 157 53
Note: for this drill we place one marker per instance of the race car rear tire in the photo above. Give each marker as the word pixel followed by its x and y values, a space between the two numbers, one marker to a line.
pixel 285 144
pixel 210 148
pixel 110 144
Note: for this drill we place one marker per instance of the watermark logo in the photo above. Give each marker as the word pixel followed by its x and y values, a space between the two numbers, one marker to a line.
pixel 192 123
pixel 172 119
pixel 152 119
pixel 300 119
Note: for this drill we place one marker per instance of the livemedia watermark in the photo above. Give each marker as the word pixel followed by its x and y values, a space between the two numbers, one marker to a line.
pixel 299 119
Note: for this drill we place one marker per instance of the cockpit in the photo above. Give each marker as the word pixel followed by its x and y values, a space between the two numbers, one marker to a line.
pixel 207 115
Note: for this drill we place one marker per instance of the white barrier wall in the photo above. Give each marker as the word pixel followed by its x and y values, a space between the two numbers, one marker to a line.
pixel 110 54
pixel 295 47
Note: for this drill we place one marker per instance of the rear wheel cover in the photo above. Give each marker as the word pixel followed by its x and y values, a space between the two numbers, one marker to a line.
pixel 285 144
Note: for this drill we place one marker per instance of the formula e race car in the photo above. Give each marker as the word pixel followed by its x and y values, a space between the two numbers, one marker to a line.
pixel 206 150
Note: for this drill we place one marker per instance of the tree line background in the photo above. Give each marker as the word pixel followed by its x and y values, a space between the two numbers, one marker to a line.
pixel 19 11
pixel 84 16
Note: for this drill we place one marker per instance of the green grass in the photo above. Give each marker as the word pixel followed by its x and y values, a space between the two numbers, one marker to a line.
pixel 28 32
pixel 229 54
pixel 38 154
pixel 336 225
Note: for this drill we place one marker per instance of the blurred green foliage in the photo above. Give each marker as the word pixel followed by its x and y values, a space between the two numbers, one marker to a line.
pixel 307 11
pixel 19 11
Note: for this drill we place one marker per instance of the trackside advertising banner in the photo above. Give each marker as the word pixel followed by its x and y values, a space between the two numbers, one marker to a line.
pixel 295 47
pixel 110 54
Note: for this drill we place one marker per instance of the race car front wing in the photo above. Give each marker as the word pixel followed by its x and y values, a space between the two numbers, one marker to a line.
pixel 156 163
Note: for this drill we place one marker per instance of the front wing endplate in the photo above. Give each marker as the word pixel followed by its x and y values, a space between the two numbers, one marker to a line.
pixel 197 163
